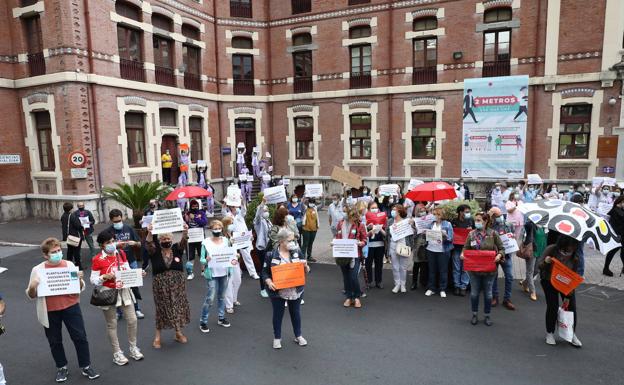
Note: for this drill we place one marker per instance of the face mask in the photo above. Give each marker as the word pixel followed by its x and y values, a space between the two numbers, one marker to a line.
pixel 166 244
pixel 56 258
pixel 605 190
pixel 500 219
pixel 498 188
pixel 581 190
pixel 374 211
pixel 554 191
pixel 81 208
pixel 422 213
pixel 231 228
pixel 312 205
pixel 394 214
pixel 616 194
pixel 467 215
pixel 295 200
pixel 365 192
pixel 290 218
pixel 238 210
pixel 118 225
pixel 478 225
pixel 531 189
pixel 194 208
pixel 265 215
pixel 292 246
pixel 110 248
pixel 152 206
pixel 217 233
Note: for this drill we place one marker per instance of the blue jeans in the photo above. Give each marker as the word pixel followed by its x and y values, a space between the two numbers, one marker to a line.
pixel 480 282
pixel 460 277
pixel 216 286
pixel 294 308
pixel 72 318
pixel 438 264
pixel 508 271
pixel 350 278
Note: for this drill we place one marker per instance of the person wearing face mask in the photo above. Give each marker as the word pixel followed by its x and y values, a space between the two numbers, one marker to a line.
pixel 168 284
pixel 194 218
pixel 335 213
pixel 87 221
pixel 420 268
pixel 351 228
pixel 463 190
pixel 282 220
pixel 399 262
pixel 530 195
pixel 552 192
pixel 296 209
pixel 237 212
pixel 111 259
pixel 438 254
pixel 497 199
pixel 236 274
pixel 310 225
pixel 376 224
pixel 616 220
pixel 499 225
pixel 463 224
pixel 286 251
pixel 565 252
pixel 514 216
pixel 216 278
pixel 71 225
pixel 262 226
pixel 55 310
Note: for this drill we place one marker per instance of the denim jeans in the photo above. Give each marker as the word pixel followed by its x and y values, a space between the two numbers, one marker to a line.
pixel 508 271
pixel 460 277
pixel 216 286
pixel 350 278
pixel 294 308
pixel 480 282
pixel 72 318
pixel 438 265
pixel 92 251
pixel 308 241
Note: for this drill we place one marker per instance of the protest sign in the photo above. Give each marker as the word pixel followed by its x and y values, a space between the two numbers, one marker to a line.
pixel 413 183
pixel 597 181
pixel 196 234
pixel 460 235
pixel 241 239
pixel 222 257
pixel 347 177
pixel 84 221
pixel 288 275
pixel 510 244
pixel 167 221
pixel 434 236
pixel 285 181
pixel 266 178
pixel 401 230
pixel 423 223
pixel 275 194
pixel 146 220
pixel 129 278
pixel 58 281
pixel 345 248
pixel 609 182
pixel 479 260
pixel 233 191
pixel 314 190
pixel 389 190
pixel 534 179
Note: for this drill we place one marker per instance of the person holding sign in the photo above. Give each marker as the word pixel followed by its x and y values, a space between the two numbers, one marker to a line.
pixel 376 223
pixel 168 284
pixel 263 225
pixel 296 209
pixel 439 245
pixel 461 227
pixel 565 251
pixel 400 246
pixel 482 238
pixel 86 219
pixel 103 268
pixel 286 251
pixel 238 213
pixel 503 229
pixel 235 278
pixel 351 228
pixel 195 219
pixel 216 276
pixel 52 311
pixel 310 225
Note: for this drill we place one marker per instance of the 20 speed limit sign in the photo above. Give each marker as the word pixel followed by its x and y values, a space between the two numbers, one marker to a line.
pixel 78 159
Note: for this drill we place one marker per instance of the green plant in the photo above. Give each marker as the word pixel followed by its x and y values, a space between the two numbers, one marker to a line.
pixel 253 206
pixel 136 196
pixel 450 208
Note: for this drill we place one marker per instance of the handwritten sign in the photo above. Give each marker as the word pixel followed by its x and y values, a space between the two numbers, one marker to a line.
pixel 597 181
pixel 314 190
pixel 347 177
pixel 84 221
pixel 242 239
pixel 146 220
pixel 129 278
pixel 413 183
pixel 167 221
pixel 58 281
pixel 288 275
pixel 222 257
pixel 434 236
pixel 266 178
pixel 423 223
pixel 345 248
pixel 609 182
pixel 534 179
pixel 196 234
pixel 275 194
pixel 389 190
pixel 401 230
pixel 510 244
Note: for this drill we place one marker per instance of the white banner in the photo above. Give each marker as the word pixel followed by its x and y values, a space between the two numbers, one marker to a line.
pixel 275 194
pixel 129 278
pixel 241 239
pixel 167 221
pixel 196 234
pixel 345 248
pixel 314 190
pixel 58 281
pixel 222 257
pixel 401 230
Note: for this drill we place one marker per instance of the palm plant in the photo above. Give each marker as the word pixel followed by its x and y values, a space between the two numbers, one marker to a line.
pixel 136 196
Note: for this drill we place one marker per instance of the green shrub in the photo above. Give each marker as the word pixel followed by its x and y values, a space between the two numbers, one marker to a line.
pixel 450 208
pixel 251 210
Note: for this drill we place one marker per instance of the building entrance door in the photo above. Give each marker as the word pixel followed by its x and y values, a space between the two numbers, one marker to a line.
pixel 245 132
pixel 170 142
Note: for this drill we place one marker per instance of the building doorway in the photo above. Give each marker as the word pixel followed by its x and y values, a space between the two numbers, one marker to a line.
pixel 170 142
pixel 245 132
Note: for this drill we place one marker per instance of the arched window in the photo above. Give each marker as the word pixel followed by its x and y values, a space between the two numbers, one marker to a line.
pixel 190 31
pixel 360 32
pixel 162 22
pixel 128 10
pixel 495 15
pixel 425 23
pixel 242 42
pixel 302 39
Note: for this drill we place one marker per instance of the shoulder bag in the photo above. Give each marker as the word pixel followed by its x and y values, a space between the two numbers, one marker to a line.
pixel 103 296
pixel 72 240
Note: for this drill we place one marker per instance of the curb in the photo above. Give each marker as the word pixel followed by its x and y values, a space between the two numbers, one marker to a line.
pixel 16 244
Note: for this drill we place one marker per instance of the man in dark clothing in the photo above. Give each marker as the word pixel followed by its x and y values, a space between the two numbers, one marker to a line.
pixel 469 105
pixel 86 221
pixel 71 225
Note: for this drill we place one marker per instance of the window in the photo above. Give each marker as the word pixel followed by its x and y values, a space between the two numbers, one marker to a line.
pixel 168 117
pixel 242 42
pixel 360 32
pixel 192 65
pixel 135 133
pixel 34 40
pixel 574 131
pixel 496 53
pixel 197 146
pixel 302 39
pixel 163 60
pixel 497 14
pixel 423 135
pixel 162 22
pixel 300 6
pixel 190 32
pixel 240 8
pixel 425 61
pixel 304 132
pixel 360 136
pixel 425 23
pixel 129 41
pixel 303 71
pixel 360 66
pixel 128 10
pixel 44 140
pixel 243 75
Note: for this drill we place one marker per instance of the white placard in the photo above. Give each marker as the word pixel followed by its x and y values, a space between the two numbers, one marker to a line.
pixel 167 221
pixel 609 182
pixel 129 278
pixel 146 220
pixel 389 190
pixel 222 257
pixel 314 190
pixel 196 234
pixel 84 221
pixel 201 163
pixel 597 181
pixel 413 183
pixel 241 239
pixel 285 181
pixel 433 236
pixel 510 244
pixel 3 269
pixel 58 281
pixel 345 248
pixel 401 230
pixel 423 223
pixel 268 154
pixel 534 179
pixel 266 177
pixel 250 178
pixel 275 194
pixel 233 191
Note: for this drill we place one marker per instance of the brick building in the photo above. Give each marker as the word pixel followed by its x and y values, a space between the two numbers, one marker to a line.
pixel 373 86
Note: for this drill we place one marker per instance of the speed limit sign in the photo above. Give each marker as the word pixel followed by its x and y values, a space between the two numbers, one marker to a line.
pixel 77 159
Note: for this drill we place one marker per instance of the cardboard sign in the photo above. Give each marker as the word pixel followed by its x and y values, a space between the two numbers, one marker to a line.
pixel 347 177
pixel 609 182
pixel 389 190
pixel 233 191
pixel 434 236
pixel 167 221
pixel 401 230
pixel 58 281
pixel 479 261
pixel 534 179
pixel 201 163
pixel 129 278
pixel 597 181
pixel 423 223
pixel 275 194
pixel 345 248
pixel 242 239
pixel 196 234
pixel 510 244
pixel 460 235
pixel 146 220
pixel 413 183
pixel 314 190
pixel 288 275
pixel 84 221
pixel 222 257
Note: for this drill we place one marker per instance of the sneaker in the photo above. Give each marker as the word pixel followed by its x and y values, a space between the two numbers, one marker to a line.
pixel 255 276
pixel 443 294
pixel 119 358
pixel 135 353
pixel 364 295
pixel 140 314
pixel 487 321
pixel 204 328
pixel 403 289
pixel 550 339
pixel 264 294
pixel 236 303
pixel 576 342
pixel 474 320
pixel 277 343
pixel 90 373
pixel 429 293
pixel 190 276
pixel 229 310
pixel 396 288
pixel 302 302
pixel 223 322
pixel 61 374
pixel 301 341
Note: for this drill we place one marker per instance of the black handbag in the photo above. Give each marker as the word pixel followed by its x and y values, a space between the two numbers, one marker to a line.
pixel 103 296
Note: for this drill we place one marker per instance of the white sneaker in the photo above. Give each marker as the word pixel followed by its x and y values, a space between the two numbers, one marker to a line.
pixel 264 294
pixel 396 288
pixel 190 276
pixel 229 310
pixel 576 342
pixel 236 303
pixel 550 339
pixel 277 344
pixel 429 293
pixel 302 302
pixel 403 289
pixel 255 276
pixel 443 294
pixel 135 353
pixel 301 341
pixel 119 358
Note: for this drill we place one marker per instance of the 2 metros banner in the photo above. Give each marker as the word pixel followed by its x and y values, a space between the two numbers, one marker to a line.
pixel 494 127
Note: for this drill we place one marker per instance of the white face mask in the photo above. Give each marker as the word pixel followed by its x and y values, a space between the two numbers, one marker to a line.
pixel 292 246
pixel 295 200
pixel 312 205
pixel 375 210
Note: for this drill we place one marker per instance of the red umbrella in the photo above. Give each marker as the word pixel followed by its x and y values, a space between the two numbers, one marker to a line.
pixel 431 192
pixel 188 192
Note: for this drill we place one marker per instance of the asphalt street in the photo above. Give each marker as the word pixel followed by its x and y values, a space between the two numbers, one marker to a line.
pixel 393 339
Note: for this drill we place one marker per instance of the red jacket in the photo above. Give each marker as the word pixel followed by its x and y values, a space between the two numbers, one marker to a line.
pixel 105 264
pixel 355 232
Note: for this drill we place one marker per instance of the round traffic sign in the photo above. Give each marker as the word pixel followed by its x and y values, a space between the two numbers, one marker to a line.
pixel 77 158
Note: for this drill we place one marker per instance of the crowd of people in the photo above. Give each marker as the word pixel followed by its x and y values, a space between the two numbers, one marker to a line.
pixel 285 233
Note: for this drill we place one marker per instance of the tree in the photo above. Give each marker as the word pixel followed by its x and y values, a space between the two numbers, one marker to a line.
pixel 136 196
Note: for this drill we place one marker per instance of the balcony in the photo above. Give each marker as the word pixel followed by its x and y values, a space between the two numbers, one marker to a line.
pixel 360 80
pixel 192 81
pixel 26 3
pixel 165 76
pixel 243 87
pixel 240 8
pixel 425 75
pixel 301 6
pixel 358 2
pixel 36 64
pixel 302 84
pixel 496 68
pixel 132 70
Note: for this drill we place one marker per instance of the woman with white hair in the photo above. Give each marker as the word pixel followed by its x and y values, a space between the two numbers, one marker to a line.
pixel 285 251
pixel 169 284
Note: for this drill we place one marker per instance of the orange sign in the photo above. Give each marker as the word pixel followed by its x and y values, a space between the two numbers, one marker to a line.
pixel 563 279
pixel 288 275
